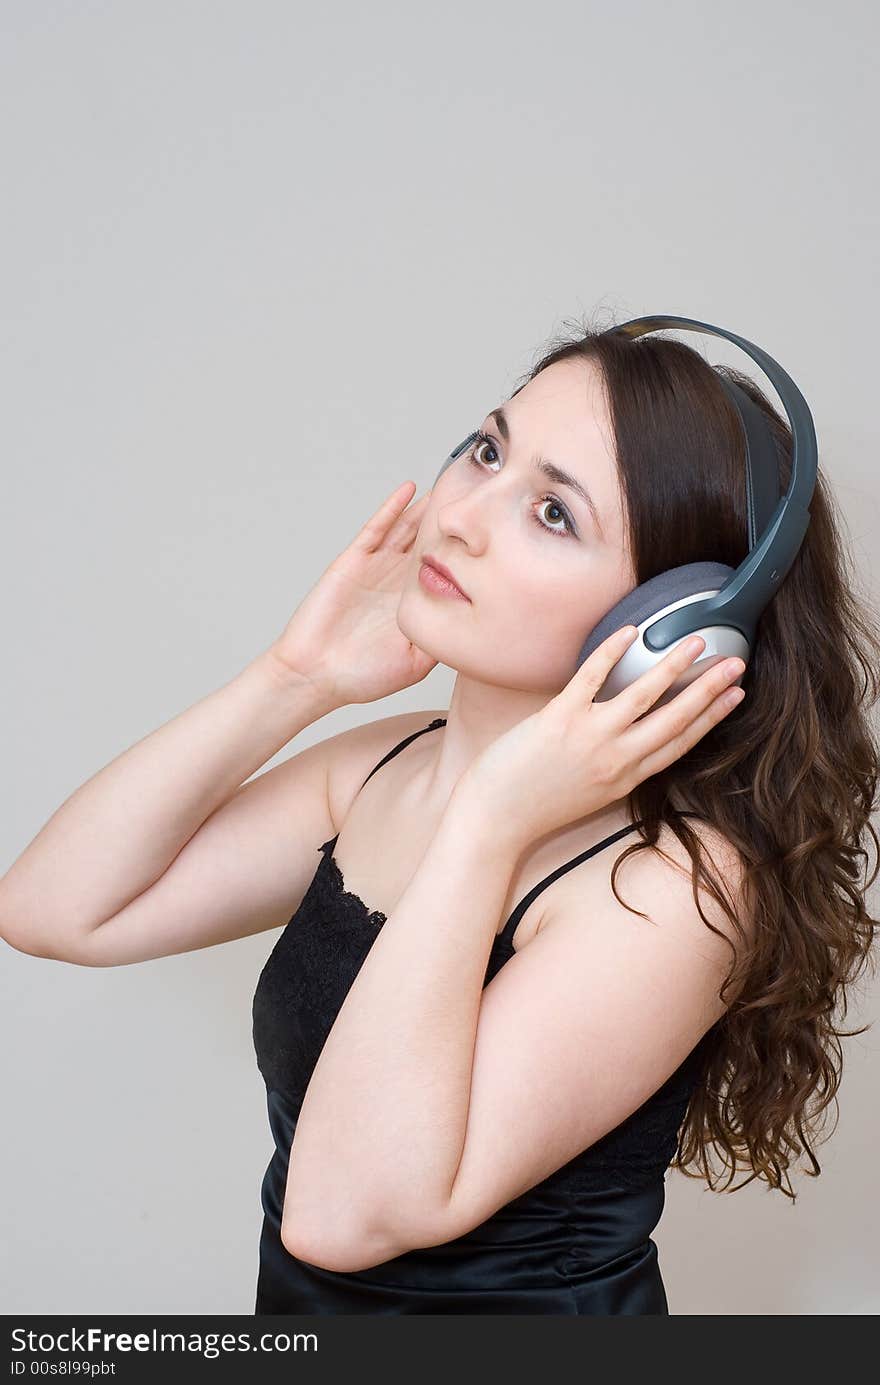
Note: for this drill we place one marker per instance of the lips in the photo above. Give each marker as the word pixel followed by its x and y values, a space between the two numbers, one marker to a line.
pixel 444 572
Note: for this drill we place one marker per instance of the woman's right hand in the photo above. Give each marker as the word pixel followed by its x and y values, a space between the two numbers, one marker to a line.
pixel 344 635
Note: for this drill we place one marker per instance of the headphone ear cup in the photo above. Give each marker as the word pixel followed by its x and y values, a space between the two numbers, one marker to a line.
pixel 644 604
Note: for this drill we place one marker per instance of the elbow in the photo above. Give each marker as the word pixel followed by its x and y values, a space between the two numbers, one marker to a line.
pixel 33 946
pixel 20 928
pixel 24 941
pixel 337 1249
pixel 75 948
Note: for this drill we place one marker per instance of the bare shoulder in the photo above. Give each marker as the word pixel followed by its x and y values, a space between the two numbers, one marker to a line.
pixel 726 866
pixel 354 753
pixel 660 883
pixel 724 860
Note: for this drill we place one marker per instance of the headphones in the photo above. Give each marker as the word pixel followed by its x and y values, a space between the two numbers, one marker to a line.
pixel 712 599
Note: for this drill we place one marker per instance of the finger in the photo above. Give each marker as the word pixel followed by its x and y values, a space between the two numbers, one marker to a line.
pixel 417 506
pixel 639 697
pixel 407 526
pixel 378 525
pixel 596 667
pixel 666 734
pixel 673 750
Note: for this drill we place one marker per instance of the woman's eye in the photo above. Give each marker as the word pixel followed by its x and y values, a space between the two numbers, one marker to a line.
pixel 484 441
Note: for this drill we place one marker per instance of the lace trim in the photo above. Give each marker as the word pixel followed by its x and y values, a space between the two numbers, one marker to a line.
pixel 337 882
pixel 334 882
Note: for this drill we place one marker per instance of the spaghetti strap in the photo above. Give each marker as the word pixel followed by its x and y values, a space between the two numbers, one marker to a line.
pixel 507 932
pixel 438 721
pixel 395 750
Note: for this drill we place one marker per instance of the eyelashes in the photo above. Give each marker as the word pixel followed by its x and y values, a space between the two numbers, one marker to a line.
pixel 483 439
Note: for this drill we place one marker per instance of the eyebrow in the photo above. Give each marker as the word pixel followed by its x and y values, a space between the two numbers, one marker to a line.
pixel 552 471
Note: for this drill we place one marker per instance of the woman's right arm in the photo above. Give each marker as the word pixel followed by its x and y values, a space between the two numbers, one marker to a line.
pixel 120 832
pixel 166 848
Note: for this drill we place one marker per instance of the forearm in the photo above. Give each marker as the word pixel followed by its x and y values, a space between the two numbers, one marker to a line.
pixel 382 1126
pixel 121 829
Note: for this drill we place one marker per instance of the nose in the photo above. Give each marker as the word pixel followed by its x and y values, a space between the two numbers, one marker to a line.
pixel 461 512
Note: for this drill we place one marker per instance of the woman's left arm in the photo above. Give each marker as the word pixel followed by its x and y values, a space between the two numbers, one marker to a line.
pixel 376 1153
pixel 383 1121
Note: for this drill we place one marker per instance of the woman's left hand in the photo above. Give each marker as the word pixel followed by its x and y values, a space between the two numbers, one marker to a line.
pixel 575 756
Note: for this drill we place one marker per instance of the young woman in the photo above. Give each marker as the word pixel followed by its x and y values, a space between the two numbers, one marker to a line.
pixel 480 1059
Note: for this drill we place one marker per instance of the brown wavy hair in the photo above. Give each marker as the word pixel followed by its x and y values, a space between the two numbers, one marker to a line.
pixel 788 778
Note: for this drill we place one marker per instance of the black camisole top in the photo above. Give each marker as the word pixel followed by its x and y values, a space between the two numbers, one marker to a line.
pixel 579 1242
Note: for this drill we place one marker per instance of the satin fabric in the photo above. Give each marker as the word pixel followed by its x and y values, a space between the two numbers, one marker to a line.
pixel 556 1250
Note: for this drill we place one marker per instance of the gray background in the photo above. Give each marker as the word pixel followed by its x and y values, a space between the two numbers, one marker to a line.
pixel 262 262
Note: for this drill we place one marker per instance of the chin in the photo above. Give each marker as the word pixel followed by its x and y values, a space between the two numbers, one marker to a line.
pixel 436 639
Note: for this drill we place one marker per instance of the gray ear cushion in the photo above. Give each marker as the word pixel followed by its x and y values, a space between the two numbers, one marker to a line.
pixel 654 595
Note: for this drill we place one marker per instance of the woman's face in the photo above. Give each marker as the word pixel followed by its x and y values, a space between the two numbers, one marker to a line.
pixel 539 568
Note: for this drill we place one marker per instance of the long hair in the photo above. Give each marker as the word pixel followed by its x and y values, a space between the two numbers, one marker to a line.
pixel 788 778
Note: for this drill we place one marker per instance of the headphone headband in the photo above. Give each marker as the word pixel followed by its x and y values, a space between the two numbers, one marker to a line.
pixel 776 525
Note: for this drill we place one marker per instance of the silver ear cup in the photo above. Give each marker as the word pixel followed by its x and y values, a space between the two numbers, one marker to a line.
pixel 722 641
